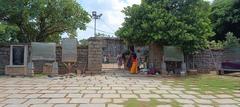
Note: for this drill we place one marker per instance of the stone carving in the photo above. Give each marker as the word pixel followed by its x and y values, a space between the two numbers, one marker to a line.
pixel 18 61
pixel 43 51
pixel 18 55
pixel 69 50
pixel 46 52
pixel 174 54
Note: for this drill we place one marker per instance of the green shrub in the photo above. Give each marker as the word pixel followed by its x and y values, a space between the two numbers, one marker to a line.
pixel 231 41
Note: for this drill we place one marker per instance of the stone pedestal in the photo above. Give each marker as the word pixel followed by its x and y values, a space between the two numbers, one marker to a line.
pixel 16 70
pixel 51 69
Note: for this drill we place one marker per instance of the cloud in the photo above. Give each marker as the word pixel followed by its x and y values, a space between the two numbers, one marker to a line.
pixel 112 16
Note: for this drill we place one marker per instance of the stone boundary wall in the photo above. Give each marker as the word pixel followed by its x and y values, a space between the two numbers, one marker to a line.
pixel 205 60
pixel 82 60
pixel 4 57
pixel 90 57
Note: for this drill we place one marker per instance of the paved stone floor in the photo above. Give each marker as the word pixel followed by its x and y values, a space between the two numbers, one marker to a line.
pixel 105 90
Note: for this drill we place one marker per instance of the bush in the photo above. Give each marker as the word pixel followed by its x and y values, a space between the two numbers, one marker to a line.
pixel 231 41
pixel 215 45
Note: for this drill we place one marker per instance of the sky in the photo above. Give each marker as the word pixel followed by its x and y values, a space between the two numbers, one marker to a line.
pixel 111 19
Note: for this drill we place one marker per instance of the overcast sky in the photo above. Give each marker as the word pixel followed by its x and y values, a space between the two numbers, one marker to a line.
pixel 112 16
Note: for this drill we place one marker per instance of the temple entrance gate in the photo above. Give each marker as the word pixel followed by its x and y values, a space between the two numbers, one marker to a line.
pixel 102 53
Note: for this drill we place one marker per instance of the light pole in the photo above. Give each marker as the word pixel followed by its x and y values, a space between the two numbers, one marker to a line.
pixel 95 17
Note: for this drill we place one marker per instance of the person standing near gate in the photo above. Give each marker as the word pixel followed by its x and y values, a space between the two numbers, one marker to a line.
pixel 119 61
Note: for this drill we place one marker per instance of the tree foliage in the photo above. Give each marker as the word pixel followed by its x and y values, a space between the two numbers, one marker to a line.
pixel 225 16
pixel 42 20
pixel 231 41
pixel 215 45
pixel 83 42
pixel 183 23
pixel 8 33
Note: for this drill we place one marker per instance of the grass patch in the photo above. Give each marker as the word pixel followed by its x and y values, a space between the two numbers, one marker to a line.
pixel 212 83
pixel 152 103
pixel 40 75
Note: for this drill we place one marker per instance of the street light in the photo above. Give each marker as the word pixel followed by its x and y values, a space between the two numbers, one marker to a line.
pixel 95 17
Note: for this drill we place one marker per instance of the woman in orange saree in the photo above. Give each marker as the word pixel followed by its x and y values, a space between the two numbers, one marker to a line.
pixel 134 68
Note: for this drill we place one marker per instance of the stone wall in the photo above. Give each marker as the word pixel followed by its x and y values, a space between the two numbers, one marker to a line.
pixel 205 60
pixel 82 60
pixel 4 57
pixel 94 55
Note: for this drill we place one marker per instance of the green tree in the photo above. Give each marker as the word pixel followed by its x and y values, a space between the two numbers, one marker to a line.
pixel 8 33
pixel 182 23
pixel 83 42
pixel 225 16
pixel 42 20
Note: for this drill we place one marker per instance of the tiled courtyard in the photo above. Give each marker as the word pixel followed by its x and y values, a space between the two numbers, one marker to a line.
pixel 107 90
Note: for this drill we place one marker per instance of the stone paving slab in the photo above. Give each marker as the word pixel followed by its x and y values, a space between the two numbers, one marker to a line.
pixel 58 101
pixel 17 95
pixel 92 105
pixel 188 105
pixel 187 96
pixel 114 105
pixel 207 96
pixel 53 96
pixel 170 96
pixel 205 105
pixel 225 101
pixel 111 95
pixel 14 101
pixel 164 100
pixel 65 105
pixel 79 100
pixel 100 100
pixel 184 101
pixel 42 105
pixel 224 96
pixel 36 101
pixel 16 105
pixel 117 101
pixel 33 95
pixel 149 96
pixel 92 95
pixel 129 96
pixel 203 101
pixel 228 106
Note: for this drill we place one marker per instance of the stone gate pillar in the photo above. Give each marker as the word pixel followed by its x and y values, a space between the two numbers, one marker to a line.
pixel 94 55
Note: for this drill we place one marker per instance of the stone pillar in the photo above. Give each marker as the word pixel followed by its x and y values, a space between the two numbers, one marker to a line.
pixel 156 56
pixel 94 55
